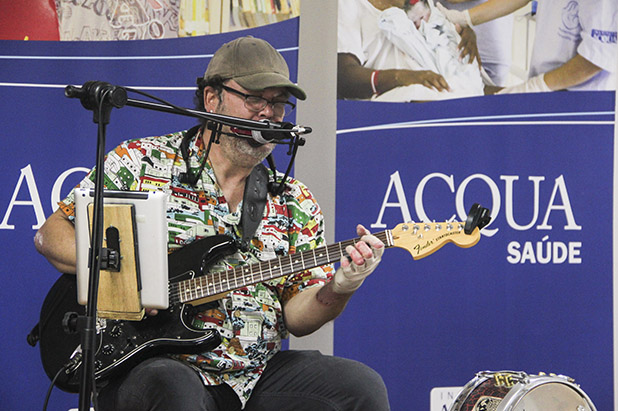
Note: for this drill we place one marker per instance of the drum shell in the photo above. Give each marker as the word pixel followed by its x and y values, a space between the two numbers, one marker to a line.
pixel 527 392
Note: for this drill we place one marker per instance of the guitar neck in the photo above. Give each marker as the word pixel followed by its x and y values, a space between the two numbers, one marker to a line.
pixel 220 282
pixel 420 239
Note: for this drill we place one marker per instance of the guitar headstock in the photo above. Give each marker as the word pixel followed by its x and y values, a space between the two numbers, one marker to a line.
pixel 423 239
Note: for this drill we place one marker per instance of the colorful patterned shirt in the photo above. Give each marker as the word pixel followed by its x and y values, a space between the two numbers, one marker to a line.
pixel 249 319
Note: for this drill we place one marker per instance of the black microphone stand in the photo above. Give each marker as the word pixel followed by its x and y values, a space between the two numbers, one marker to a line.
pixel 101 97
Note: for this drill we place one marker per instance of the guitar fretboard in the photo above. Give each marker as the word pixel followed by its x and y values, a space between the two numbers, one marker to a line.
pixel 220 282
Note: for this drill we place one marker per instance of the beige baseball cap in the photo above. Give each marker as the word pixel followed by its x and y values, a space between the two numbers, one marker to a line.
pixel 254 64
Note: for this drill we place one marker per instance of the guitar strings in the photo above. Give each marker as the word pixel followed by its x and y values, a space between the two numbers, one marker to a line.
pixel 226 280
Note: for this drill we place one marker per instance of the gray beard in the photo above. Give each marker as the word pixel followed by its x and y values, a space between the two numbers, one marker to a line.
pixel 240 150
pixel 243 152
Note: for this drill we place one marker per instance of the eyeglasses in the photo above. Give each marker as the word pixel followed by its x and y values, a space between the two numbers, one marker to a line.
pixel 257 103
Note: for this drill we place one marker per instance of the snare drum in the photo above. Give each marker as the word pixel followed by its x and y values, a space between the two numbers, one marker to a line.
pixel 518 391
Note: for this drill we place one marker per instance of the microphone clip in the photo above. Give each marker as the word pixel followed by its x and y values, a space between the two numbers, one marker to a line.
pixel 99 97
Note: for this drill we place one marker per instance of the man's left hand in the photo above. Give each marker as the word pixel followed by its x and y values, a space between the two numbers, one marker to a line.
pixel 363 259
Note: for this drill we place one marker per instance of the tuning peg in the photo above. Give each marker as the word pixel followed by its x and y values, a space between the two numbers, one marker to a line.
pixel 477 217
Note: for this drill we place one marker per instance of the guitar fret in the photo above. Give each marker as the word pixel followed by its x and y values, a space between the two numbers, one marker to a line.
pixel 280 267
pixel 298 263
pixel 250 270
pixel 243 272
pixel 217 284
pixel 210 284
pixel 227 279
pixel 241 277
pixel 323 254
pixel 253 278
pixel 197 288
pixel 327 256
pixel 388 238
pixel 270 270
pixel 291 269
pixel 195 284
pixel 189 290
pixel 261 271
pixel 302 260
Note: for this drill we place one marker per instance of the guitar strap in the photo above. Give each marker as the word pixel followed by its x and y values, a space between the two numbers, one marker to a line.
pixel 253 203
pixel 254 197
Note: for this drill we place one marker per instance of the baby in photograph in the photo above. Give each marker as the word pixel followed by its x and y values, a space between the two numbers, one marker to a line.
pixel 430 41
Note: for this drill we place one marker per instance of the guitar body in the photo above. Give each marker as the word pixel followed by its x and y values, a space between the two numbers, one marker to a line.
pixel 123 344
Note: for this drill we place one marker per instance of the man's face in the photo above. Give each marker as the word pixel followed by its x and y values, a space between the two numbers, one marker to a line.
pixel 245 152
pixel 236 106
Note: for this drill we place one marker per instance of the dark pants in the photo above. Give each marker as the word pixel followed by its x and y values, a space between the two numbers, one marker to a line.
pixel 293 380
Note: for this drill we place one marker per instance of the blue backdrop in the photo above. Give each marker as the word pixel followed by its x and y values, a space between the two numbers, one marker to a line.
pixel 535 294
pixel 49 141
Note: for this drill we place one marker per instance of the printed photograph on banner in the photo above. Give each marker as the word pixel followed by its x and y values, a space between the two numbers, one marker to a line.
pixel 428 50
pixel 94 20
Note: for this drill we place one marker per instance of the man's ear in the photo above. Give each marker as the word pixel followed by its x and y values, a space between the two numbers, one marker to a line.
pixel 211 99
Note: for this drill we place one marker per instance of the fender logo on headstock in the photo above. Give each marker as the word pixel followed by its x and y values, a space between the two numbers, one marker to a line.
pixel 418 247
pixel 423 239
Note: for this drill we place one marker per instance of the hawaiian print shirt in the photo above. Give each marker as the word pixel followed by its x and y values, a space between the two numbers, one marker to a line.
pixel 249 319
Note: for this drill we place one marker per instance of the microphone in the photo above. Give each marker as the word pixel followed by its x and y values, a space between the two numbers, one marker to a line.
pixel 284 131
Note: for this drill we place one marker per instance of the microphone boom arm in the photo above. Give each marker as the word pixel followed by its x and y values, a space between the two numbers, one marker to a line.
pixel 219 118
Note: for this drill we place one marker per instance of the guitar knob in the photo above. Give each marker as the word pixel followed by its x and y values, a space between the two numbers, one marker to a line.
pixel 69 322
pixel 108 349
pixel 98 365
pixel 115 331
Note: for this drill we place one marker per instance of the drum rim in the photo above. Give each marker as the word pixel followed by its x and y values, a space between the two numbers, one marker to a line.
pixel 513 397
pixel 525 383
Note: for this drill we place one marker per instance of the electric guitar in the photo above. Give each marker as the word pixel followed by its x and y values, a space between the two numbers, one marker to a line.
pixel 123 344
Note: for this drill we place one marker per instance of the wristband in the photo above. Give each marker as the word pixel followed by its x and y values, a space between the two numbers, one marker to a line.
pixel 374 81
